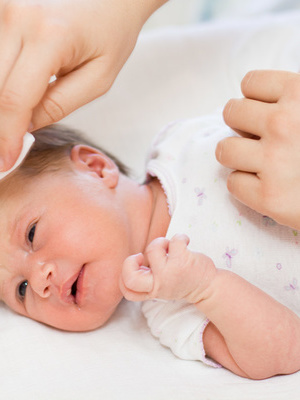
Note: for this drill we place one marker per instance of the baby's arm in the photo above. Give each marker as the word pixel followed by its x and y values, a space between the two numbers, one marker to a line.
pixel 250 333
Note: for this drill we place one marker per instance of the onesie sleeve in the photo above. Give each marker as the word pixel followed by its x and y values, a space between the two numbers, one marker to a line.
pixel 179 326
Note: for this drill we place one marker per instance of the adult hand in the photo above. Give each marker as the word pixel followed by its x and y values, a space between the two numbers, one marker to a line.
pixel 84 43
pixel 267 176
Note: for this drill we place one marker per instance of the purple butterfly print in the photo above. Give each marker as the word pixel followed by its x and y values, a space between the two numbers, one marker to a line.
pixel 200 195
pixel 228 255
pixel 292 286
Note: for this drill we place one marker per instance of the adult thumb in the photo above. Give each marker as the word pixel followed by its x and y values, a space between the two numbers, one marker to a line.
pixel 71 91
pixel 11 142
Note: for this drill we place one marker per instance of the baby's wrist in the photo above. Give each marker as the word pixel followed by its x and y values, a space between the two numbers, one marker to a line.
pixel 204 282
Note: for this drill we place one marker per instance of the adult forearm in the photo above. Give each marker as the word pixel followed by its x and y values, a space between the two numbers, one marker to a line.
pixel 259 334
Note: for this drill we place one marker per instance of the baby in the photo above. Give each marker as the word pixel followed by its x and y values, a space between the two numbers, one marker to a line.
pixel 71 216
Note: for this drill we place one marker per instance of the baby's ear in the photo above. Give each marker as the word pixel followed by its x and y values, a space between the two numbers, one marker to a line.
pixel 91 160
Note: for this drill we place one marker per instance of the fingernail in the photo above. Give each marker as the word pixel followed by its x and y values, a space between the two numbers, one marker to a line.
pixel 2 164
pixel 218 151
pixel 144 268
pixel 247 79
pixel 227 110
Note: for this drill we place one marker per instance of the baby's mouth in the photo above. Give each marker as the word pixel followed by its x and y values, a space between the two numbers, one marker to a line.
pixel 74 288
pixel 77 287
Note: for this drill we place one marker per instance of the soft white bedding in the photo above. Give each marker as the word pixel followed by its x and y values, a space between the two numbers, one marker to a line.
pixel 173 73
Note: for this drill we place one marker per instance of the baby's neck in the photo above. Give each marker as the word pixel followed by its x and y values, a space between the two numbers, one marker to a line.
pixel 146 208
pixel 160 217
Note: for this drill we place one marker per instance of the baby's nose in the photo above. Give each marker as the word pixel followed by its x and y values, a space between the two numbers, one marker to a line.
pixel 41 279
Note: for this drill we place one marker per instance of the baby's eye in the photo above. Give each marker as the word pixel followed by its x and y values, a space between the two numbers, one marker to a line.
pixel 31 233
pixel 22 290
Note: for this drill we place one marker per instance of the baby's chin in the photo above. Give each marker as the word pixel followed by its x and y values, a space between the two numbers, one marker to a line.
pixel 81 324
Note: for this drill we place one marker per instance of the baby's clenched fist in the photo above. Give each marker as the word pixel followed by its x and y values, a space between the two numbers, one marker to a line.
pixel 168 270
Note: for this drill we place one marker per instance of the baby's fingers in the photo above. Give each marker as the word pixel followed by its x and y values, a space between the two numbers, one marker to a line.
pixel 178 244
pixel 136 277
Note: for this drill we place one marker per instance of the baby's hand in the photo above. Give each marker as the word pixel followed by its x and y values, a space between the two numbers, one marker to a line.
pixel 168 270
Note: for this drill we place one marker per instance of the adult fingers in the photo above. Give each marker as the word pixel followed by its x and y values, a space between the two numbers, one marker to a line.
pixel 245 134
pixel 248 115
pixel 10 48
pixel 23 89
pixel 240 153
pixel 266 85
pixel 246 188
pixel 72 91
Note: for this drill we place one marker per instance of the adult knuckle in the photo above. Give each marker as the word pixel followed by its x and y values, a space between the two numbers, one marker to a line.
pixel 273 158
pixel 39 24
pixel 104 82
pixel 105 72
pixel 4 141
pixel 11 12
pixel 52 109
pixel 268 206
pixel 269 200
pixel 10 100
pixel 21 11
pixel 292 86
pixel 54 31
pixel 277 124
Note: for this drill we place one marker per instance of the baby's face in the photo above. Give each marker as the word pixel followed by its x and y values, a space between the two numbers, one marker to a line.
pixel 63 240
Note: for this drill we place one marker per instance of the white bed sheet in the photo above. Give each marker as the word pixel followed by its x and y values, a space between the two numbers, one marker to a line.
pixel 173 73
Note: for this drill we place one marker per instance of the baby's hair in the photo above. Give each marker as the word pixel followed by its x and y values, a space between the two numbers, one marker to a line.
pixel 52 147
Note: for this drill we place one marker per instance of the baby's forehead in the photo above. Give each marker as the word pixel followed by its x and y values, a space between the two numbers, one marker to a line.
pixel 15 192
pixel 13 184
pixel 17 183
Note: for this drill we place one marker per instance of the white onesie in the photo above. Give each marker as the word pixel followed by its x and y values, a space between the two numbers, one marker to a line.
pixel 234 236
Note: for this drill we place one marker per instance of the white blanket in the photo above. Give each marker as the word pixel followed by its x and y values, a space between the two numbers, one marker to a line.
pixel 173 73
